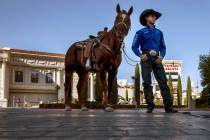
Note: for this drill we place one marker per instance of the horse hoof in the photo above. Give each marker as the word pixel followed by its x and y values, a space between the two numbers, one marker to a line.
pixel 109 109
pixel 84 108
pixel 67 108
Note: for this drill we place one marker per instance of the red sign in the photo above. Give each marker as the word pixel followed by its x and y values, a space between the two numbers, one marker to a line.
pixel 171 67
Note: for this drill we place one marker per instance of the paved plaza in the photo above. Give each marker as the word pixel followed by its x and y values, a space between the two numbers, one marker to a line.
pixel 96 124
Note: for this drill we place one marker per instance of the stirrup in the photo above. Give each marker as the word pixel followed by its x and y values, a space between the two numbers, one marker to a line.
pixel 88 65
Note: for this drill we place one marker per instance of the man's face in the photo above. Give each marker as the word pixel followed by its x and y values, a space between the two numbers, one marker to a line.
pixel 151 19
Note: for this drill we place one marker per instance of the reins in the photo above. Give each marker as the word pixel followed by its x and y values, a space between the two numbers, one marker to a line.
pixel 127 57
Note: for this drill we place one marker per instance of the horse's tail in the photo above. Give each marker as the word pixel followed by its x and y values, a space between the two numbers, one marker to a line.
pixel 69 60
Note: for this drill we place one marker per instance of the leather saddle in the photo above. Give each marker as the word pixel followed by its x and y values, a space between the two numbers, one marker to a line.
pixel 89 45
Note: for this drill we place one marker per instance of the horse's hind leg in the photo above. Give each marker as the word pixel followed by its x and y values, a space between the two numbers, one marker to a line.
pixel 68 89
pixel 82 88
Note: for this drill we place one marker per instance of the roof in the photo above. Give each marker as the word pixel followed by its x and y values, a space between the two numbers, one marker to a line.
pixel 29 52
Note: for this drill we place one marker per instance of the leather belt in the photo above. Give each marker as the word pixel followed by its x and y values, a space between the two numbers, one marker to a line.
pixel 151 52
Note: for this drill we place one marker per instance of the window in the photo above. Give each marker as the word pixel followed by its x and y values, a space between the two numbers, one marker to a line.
pixel 49 77
pixel 18 76
pixel 34 77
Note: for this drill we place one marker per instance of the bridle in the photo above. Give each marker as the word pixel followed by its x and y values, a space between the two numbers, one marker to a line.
pixel 121 40
pixel 116 32
pixel 122 22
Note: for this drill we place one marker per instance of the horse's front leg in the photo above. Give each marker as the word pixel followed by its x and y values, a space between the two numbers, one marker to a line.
pixel 111 76
pixel 104 87
pixel 105 91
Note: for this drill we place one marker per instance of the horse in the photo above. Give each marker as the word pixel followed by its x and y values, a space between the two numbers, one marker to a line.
pixel 107 57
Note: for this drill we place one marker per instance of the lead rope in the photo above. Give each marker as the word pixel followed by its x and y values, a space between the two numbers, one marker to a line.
pixel 127 57
pixel 127 61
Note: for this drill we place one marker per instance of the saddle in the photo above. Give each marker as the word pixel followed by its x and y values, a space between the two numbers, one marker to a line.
pixel 88 47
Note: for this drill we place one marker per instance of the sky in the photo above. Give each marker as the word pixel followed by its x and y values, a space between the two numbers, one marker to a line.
pixel 53 25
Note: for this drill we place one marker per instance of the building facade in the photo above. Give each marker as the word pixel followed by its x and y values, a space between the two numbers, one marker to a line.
pixel 29 77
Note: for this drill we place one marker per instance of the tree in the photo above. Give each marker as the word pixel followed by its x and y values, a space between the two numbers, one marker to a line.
pixel 98 88
pixel 179 91
pixel 137 84
pixel 114 93
pixel 189 91
pixel 206 92
pixel 170 85
pixel 204 67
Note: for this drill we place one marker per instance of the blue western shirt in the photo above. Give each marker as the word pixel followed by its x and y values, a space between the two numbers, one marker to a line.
pixel 149 39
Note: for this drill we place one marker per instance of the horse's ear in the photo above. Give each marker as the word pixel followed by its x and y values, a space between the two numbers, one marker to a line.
pixel 130 11
pixel 118 8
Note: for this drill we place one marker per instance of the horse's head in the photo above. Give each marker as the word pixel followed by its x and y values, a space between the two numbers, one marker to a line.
pixel 122 22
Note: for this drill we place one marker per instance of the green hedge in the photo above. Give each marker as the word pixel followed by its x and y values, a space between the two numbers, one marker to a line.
pixel 202 102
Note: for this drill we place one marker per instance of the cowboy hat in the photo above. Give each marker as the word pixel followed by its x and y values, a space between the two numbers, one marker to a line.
pixel 145 13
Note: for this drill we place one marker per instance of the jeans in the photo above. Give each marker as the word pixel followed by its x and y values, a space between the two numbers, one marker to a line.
pixel 147 67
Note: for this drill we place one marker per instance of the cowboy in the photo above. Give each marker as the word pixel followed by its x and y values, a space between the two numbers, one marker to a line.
pixel 152 51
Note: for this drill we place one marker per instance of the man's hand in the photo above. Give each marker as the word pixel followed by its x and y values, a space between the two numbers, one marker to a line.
pixel 159 60
pixel 143 57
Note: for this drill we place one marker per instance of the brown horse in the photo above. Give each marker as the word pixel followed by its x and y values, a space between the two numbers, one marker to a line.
pixel 107 58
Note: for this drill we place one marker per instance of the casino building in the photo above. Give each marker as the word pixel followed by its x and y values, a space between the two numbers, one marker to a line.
pixel 29 77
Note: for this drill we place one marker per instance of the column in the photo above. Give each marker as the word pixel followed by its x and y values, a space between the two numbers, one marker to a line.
pixel 92 88
pixel 5 57
pixel 60 85
pixel 4 85
pixel 3 79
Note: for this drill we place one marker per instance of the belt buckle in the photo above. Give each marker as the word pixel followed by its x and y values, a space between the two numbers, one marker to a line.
pixel 152 52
